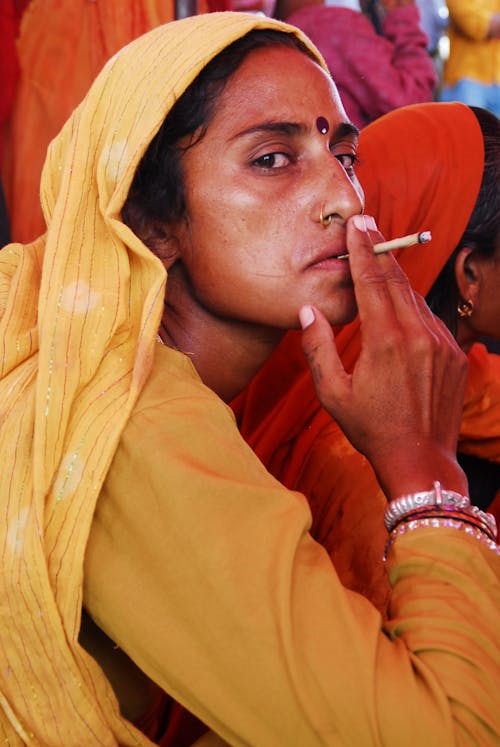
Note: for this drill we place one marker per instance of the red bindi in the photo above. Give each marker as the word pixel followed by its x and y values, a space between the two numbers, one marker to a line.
pixel 322 125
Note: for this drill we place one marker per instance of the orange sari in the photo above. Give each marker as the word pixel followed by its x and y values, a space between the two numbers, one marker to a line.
pixel 420 168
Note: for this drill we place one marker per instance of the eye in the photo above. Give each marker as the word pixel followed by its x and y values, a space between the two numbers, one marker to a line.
pixel 348 160
pixel 271 161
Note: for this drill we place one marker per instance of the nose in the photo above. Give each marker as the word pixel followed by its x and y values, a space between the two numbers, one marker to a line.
pixel 341 195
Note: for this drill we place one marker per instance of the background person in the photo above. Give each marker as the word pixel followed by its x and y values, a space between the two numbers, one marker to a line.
pixel 373 72
pixel 472 71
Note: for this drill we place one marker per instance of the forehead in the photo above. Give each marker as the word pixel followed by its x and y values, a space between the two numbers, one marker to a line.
pixel 281 83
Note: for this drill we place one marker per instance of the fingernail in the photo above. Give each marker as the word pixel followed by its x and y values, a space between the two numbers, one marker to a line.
pixel 360 222
pixel 370 223
pixel 306 316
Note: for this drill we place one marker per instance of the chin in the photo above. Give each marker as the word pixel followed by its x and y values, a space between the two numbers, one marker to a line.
pixel 341 314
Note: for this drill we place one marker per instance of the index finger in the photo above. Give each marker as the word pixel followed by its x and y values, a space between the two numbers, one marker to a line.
pixel 380 285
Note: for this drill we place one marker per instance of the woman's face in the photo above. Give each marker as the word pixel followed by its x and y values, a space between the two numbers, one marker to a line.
pixel 253 245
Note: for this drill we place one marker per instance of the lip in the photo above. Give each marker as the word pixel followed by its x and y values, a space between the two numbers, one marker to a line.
pixel 329 259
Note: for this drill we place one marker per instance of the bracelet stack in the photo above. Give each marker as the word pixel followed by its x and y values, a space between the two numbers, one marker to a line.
pixel 439 508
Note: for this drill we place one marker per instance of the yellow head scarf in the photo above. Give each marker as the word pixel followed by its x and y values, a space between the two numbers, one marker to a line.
pixel 79 311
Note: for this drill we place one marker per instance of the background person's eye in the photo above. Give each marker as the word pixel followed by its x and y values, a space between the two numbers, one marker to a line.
pixel 347 160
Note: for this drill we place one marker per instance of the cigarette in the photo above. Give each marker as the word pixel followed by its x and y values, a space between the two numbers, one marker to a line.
pixel 388 246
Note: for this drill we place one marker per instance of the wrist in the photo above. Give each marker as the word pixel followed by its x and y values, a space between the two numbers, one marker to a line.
pixel 439 508
pixel 418 470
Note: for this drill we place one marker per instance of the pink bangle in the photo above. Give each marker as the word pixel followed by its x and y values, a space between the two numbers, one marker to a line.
pixel 469 515
pixel 446 523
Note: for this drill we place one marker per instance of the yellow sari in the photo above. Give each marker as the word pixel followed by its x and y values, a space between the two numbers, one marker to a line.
pixel 79 311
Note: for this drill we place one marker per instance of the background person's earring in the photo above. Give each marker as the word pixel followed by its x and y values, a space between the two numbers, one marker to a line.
pixel 465 309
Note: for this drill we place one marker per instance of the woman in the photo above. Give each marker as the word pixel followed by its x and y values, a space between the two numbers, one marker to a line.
pixel 129 487
pixel 438 181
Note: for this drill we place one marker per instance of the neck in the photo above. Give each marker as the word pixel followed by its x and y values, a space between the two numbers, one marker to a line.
pixel 226 353
pixel 466 336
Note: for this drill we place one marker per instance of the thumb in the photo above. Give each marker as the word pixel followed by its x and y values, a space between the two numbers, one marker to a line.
pixel 331 382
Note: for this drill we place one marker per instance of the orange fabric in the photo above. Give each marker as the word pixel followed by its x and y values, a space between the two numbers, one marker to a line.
pixel 420 167
pixel 481 421
pixel 61 48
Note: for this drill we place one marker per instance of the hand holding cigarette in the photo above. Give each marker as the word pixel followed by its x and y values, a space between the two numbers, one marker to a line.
pixel 423 237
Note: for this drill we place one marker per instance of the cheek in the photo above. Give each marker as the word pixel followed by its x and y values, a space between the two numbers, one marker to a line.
pixel 489 309
pixel 220 211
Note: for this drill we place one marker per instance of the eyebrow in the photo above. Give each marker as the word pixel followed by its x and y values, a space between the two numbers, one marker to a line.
pixel 343 129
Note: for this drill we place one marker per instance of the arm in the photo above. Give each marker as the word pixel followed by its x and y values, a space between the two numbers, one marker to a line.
pixel 378 72
pixel 201 568
pixel 203 572
pixel 412 77
pixel 407 357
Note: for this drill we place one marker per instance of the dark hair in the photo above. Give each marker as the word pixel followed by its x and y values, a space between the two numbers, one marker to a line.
pixel 483 229
pixel 157 190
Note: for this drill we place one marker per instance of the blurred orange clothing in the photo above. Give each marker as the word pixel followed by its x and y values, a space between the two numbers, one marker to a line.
pixel 61 48
pixel 9 68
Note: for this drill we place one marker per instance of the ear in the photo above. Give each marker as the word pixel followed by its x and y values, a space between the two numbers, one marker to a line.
pixel 468 274
pixel 163 242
